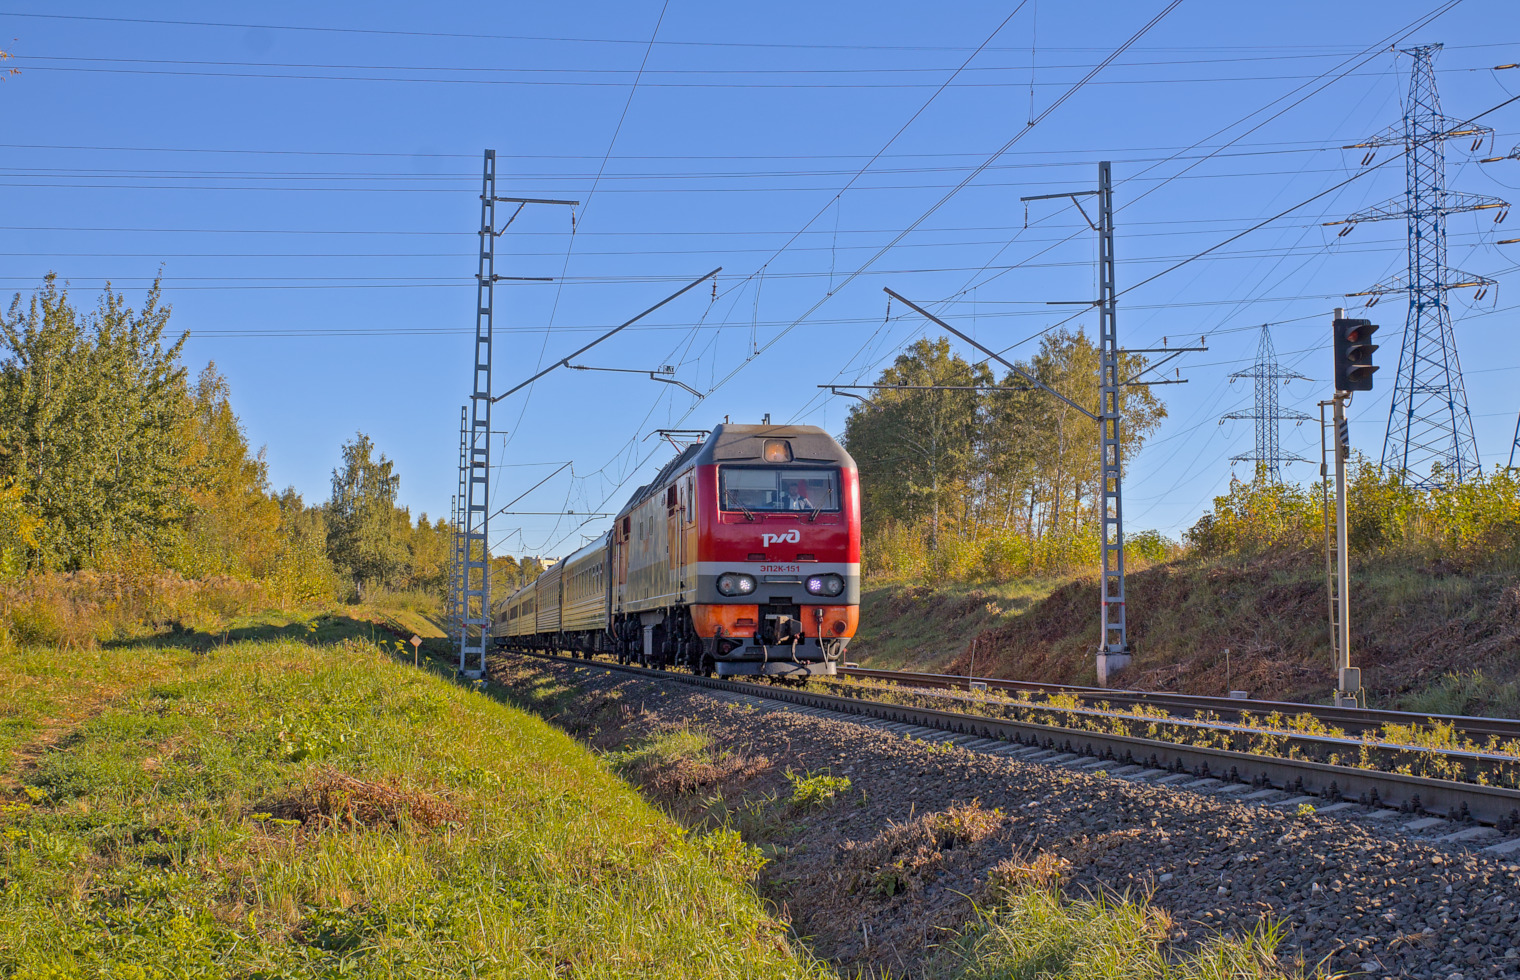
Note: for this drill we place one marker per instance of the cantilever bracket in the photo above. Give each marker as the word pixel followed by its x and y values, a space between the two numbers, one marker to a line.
pixel 659 374
pixel 1076 198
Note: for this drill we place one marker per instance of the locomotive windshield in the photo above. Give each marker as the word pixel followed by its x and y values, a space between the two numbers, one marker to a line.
pixel 777 488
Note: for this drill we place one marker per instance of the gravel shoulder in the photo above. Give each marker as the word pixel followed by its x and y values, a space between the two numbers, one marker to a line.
pixel 876 877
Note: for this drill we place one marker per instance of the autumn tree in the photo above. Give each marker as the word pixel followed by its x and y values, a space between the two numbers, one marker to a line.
pixel 234 521
pixel 945 447
pixel 89 407
pixel 366 533
pixel 919 445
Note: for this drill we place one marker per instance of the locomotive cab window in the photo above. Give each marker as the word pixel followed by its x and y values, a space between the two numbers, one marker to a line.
pixel 777 488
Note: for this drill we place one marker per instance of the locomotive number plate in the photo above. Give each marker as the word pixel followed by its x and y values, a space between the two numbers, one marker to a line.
pixel 780 568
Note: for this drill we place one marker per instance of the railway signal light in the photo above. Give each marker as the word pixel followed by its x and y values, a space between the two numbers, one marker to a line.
pixel 1353 354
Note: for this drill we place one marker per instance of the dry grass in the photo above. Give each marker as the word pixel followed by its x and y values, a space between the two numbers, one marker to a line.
pixel 678 762
pixel 336 799
pixel 905 857
pixel 1010 877
pixel 79 610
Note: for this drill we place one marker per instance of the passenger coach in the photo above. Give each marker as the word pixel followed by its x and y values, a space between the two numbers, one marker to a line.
pixel 742 556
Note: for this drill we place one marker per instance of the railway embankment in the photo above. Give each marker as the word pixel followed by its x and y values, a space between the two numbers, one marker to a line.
pixel 894 853
pixel 1429 636
pixel 305 804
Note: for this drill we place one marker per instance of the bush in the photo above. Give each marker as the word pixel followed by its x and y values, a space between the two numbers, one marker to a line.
pixel 82 609
pixel 908 553
pixel 1474 522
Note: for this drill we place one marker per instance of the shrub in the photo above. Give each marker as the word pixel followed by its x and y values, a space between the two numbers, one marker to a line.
pixel 1474 522
pixel 911 553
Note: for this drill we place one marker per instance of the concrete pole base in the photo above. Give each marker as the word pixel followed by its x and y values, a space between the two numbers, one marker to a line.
pixel 1110 664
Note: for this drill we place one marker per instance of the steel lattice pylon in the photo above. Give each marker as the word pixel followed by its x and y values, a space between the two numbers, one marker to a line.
pixel 1430 432
pixel 1268 377
pixel 475 554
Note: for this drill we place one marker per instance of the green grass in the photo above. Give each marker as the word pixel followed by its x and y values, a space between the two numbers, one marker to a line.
pixel 816 790
pixel 1466 693
pixel 181 821
pixel 287 799
pixel 1034 935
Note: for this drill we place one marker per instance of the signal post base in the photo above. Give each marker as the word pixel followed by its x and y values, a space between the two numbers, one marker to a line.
pixel 1109 664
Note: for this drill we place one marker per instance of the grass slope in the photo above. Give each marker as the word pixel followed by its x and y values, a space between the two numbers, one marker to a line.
pixel 1414 625
pixel 289 808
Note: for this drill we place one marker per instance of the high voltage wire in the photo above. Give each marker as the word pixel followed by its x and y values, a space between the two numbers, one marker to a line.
pixel 34 171
pixel 1347 68
pixel 585 279
pixel 565 83
pixel 624 234
pixel 582 70
pixel 1366 53
pixel 1395 244
pixel 309 28
pixel 1311 144
pixel 985 185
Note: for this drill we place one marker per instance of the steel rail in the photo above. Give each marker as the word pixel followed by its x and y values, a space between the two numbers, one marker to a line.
pixel 1350 720
pixel 1329 781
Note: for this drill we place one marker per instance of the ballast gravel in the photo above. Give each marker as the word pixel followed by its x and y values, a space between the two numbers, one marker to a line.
pixel 1351 896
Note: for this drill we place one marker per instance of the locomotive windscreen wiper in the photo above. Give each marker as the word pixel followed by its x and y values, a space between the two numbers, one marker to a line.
pixel 728 497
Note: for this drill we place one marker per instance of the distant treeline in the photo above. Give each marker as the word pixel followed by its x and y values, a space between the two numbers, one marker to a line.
pixel 113 460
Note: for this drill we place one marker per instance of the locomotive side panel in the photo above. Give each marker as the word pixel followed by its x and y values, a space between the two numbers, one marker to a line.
pixel 651 549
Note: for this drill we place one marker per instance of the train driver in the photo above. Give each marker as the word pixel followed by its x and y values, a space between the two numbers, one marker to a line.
pixel 798 500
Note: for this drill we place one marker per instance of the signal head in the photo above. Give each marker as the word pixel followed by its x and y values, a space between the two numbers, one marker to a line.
pixel 1353 354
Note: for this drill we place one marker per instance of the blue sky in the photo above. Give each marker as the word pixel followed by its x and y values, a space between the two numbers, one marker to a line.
pixel 307 177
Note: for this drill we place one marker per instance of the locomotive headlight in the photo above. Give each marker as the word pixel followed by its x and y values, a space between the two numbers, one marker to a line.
pixel 736 583
pixel 829 585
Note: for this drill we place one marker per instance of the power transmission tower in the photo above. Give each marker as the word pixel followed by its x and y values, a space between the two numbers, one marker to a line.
pixel 1429 438
pixel 1268 377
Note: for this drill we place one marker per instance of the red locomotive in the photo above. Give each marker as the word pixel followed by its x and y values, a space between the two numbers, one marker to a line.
pixel 741 557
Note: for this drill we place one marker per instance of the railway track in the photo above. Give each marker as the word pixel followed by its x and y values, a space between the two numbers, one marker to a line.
pixel 1352 721
pixel 1226 771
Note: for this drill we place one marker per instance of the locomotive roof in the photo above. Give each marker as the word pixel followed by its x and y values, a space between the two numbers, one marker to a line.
pixel 745 443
